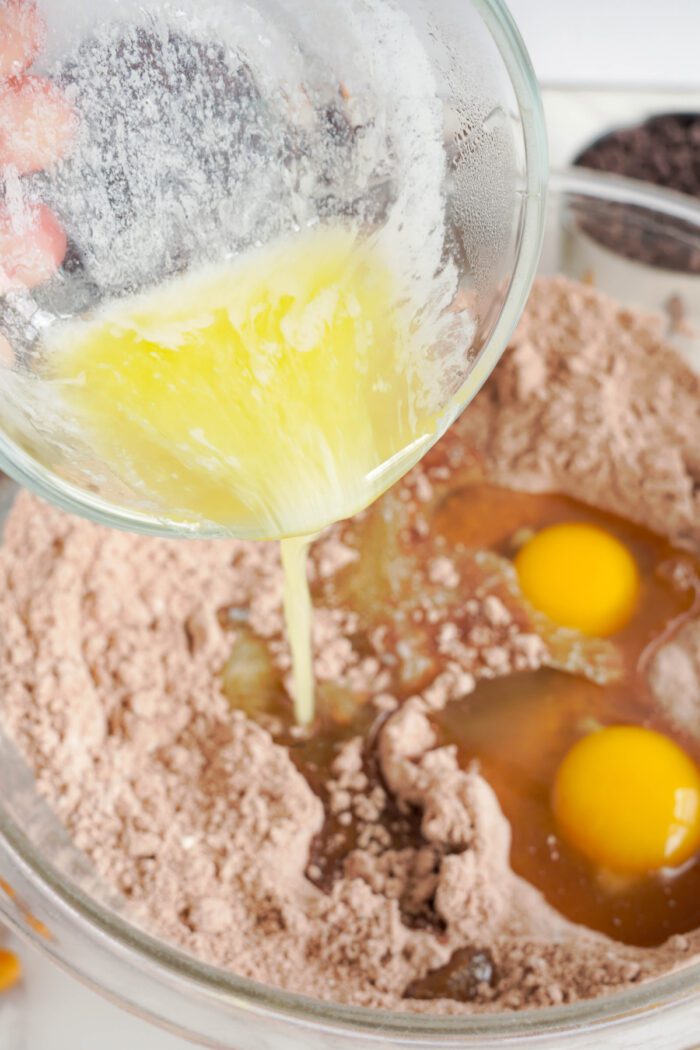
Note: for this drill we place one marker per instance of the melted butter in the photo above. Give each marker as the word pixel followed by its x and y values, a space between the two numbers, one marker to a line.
pixel 270 395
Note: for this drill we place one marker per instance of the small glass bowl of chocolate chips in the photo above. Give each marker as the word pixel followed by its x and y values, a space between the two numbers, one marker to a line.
pixel 663 150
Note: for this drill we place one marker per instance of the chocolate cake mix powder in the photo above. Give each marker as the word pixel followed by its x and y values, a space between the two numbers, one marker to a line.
pixel 111 660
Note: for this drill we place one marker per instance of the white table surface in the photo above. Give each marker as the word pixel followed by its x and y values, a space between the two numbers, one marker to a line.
pixel 51 1011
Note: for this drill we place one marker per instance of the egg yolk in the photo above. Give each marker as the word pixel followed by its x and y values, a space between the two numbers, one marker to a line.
pixel 579 576
pixel 629 799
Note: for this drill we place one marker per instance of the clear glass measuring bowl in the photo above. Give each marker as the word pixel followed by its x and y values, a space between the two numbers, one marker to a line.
pixel 189 134
pixel 59 904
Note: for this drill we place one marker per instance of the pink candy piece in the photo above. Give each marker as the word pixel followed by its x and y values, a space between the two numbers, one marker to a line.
pixel 22 33
pixel 32 247
pixel 37 124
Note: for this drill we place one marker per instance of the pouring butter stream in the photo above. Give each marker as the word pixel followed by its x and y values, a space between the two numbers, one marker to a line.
pixel 264 328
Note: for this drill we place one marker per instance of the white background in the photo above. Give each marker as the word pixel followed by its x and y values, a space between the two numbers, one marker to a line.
pixel 651 43
pixel 632 42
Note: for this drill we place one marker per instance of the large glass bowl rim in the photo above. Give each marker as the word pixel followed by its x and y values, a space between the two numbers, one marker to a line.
pixel 219 986
pixel 145 952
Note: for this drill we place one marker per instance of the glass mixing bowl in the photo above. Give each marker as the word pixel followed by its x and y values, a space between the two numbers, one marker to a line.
pixel 202 129
pixel 57 902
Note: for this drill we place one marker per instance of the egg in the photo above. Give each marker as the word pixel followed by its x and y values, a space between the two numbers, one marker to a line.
pixel 580 576
pixel 629 799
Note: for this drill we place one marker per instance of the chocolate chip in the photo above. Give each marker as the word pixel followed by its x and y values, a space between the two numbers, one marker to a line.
pixel 463 978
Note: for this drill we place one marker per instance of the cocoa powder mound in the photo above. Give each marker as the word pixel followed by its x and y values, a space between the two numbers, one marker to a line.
pixel 111 662
pixel 591 402
pixel 674 677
